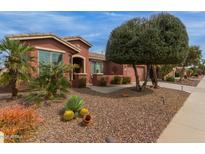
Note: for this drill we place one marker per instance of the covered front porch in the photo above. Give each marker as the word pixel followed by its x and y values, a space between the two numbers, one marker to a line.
pixel 79 73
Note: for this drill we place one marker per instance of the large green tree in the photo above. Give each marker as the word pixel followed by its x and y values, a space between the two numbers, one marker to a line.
pixel 17 63
pixel 161 39
pixel 124 44
pixel 193 58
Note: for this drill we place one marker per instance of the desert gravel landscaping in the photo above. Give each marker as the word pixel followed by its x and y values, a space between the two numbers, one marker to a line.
pixel 191 81
pixel 139 117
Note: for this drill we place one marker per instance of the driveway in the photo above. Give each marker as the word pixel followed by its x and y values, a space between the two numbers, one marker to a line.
pixel 188 125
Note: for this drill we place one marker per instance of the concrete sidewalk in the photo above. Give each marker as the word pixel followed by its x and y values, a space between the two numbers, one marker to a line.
pixel 114 88
pixel 188 125
pixel 186 88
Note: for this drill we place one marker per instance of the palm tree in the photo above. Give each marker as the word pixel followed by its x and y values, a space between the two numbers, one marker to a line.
pixel 17 63
pixel 51 83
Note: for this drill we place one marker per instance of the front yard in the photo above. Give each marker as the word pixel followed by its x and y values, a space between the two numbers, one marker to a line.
pixel 140 117
pixel 190 81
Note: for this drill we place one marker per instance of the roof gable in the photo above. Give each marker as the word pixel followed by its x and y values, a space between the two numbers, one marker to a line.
pixel 25 37
pixel 96 56
pixel 77 38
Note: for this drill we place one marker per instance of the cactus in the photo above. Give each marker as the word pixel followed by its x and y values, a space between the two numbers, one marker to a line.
pixel 84 111
pixel 68 115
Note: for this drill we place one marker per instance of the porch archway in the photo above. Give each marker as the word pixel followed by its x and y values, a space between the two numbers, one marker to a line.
pixel 80 61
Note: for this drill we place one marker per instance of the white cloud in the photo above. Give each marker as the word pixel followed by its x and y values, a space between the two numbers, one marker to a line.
pixel 29 22
pixel 95 27
pixel 91 35
pixel 114 14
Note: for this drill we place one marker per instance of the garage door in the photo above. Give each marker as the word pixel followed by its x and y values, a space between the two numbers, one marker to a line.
pixel 130 72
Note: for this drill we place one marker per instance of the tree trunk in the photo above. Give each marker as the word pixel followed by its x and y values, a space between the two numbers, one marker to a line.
pixel 14 90
pixel 154 76
pixel 182 73
pixel 146 78
pixel 138 88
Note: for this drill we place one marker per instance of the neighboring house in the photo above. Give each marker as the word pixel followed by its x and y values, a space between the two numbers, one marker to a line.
pixel 74 50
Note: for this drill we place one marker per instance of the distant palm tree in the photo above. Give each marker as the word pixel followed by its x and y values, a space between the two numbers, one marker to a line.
pixel 17 63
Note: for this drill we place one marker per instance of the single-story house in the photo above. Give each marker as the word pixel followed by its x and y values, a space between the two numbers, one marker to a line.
pixel 74 50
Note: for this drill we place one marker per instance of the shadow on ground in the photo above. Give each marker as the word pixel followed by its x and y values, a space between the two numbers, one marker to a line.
pixel 122 93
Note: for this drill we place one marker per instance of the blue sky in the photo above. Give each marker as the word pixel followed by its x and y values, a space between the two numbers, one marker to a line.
pixel 95 27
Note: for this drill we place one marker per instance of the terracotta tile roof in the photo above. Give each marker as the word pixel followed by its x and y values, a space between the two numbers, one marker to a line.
pixel 41 36
pixel 96 56
pixel 73 38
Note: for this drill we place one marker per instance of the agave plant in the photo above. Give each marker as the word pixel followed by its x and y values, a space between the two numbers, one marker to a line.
pixel 75 103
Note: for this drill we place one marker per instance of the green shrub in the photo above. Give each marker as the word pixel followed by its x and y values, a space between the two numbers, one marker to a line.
pixel 103 82
pixel 126 80
pixel 202 66
pixel 82 83
pixel 50 84
pixel 194 71
pixel 177 74
pixel 117 80
pixel 74 103
pixel 170 79
pixel 199 71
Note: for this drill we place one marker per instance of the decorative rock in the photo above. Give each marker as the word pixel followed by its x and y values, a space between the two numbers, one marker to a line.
pixel 110 139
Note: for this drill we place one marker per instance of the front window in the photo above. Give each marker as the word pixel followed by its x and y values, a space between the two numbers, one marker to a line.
pixel 96 67
pixel 47 57
pixel 56 58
